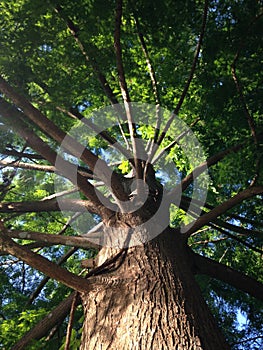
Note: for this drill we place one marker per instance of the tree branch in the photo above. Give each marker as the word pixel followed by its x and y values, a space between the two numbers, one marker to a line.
pixel 69 143
pixel 153 81
pixel 185 201
pixel 200 169
pixel 125 93
pixel 57 315
pixel 74 30
pixel 71 320
pixel 191 75
pixel 75 33
pixel 227 274
pixel 242 99
pixel 44 281
pixel 42 264
pixel 69 170
pixel 41 167
pixel 254 223
pixel 54 239
pixel 249 117
pixel 234 237
pixel 173 143
pixel 74 205
pixel 14 153
pixel 104 134
pixel 222 208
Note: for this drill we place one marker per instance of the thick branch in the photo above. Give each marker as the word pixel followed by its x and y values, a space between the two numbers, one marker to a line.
pixel 42 264
pixel 56 316
pixel 71 241
pixel 69 143
pixel 74 205
pixel 10 113
pixel 44 281
pixel 222 208
pixel 14 153
pixel 41 167
pixel 227 274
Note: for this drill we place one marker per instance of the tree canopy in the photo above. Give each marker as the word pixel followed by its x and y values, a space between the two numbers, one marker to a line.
pixel 191 68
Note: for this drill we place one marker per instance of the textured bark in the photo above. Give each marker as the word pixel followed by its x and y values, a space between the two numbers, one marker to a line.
pixel 149 301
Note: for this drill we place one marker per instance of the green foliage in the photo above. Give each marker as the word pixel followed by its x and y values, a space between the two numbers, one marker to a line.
pixel 40 57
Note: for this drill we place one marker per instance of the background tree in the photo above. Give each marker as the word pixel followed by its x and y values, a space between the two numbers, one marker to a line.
pixel 60 63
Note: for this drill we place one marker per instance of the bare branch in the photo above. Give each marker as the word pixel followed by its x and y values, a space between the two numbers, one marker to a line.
pixel 191 75
pixel 153 81
pixel 14 153
pixel 71 241
pixel 74 30
pixel 222 208
pixel 242 99
pixel 234 228
pixel 42 264
pixel 57 134
pixel 29 166
pixel 104 134
pixel 226 274
pixel 231 216
pixel 71 320
pixel 44 281
pixel 41 167
pixel 9 112
pixel 238 239
pixel 125 93
pixel 56 316
pixel 249 117
pixel 217 225
pixel 74 205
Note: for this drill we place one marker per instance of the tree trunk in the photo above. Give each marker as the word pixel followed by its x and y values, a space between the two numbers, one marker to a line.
pixel 150 301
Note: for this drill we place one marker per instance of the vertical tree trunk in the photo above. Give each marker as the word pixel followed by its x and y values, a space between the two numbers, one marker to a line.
pixel 150 302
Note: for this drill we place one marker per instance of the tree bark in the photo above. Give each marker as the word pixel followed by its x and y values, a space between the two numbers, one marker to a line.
pixel 149 301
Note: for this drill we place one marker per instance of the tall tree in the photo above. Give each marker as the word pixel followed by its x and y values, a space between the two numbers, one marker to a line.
pixel 131 154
